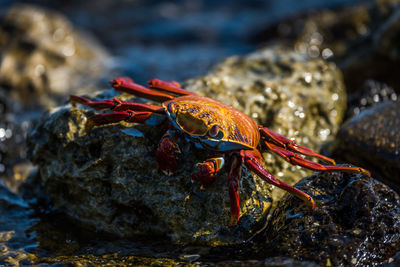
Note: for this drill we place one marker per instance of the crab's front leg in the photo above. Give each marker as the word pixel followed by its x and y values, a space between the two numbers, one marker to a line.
pixel 205 172
pixel 167 153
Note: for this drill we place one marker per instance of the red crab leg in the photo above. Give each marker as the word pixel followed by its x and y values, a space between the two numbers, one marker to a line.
pixel 128 116
pixel 291 145
pixel 206 171
pixel 254 161
pixel 296 159
pixel 167 154
pixel 128 86
pixel 233 187
pixel 115 105
pixel 170 87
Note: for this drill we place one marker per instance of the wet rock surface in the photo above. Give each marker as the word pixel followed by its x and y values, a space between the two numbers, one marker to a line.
pixel 372 139
pixel 110 180
pixel 288 92
pixel 15 221
pixel 356 222
pixel 43 57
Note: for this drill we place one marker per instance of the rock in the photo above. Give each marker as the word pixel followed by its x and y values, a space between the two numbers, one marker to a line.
pixel 356 222
pixel 371 94
pixel 110 181
pixel 362 40
pixel 43 57
pixel 371 139
pixel 288 92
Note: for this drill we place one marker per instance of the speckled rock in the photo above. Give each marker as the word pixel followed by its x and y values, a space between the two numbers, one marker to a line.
pixel 356 222
pixel 371 139
pixel 110 181
pixel 44 57
pixel 288 92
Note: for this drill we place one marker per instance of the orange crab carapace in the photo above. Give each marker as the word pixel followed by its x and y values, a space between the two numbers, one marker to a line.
pixel 229 135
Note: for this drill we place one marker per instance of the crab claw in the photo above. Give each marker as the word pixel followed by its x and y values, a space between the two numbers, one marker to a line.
pixel 167 154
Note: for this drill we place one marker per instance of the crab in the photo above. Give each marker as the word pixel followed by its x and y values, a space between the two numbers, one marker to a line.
pixel 231 137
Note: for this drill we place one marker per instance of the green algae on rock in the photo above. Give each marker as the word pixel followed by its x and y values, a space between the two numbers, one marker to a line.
pixel 288 92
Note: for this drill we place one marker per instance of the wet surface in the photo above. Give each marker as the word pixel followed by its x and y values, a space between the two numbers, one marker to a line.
pixel 372 139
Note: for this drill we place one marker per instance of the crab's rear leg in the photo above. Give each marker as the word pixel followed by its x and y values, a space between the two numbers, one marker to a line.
pixel 254 161
pixel 169 86
pixel 116 105
pixel 128 116
pixel 296 159
pixel 286 143
pixel 128 86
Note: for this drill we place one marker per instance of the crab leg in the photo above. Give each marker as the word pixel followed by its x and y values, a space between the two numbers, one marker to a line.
pixel 115 105
pixel 128 86
pixel 233 187
pixel 128 116
pixel 296 159
pixel 291 145
pixel 206 171
pixel 254 161
pixel 167 154
pixel 170 87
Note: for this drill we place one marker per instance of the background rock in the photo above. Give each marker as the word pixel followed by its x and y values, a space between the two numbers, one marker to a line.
pixel 44 57
pixel 372 140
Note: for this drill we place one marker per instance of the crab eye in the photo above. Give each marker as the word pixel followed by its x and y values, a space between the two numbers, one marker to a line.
pixel 215 132
pixel 170 108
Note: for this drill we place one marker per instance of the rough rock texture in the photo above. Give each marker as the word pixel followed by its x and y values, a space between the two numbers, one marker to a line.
pixel 357 222
pixel 371 139
pixel 110 180
pixel 288 92
pixel 43 56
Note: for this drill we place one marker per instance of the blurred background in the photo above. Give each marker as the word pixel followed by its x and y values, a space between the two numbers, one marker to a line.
pixel 50 49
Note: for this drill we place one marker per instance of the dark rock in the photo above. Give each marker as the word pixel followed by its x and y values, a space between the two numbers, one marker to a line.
pixel 371 139
pixel 356 222
pixel 371 94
